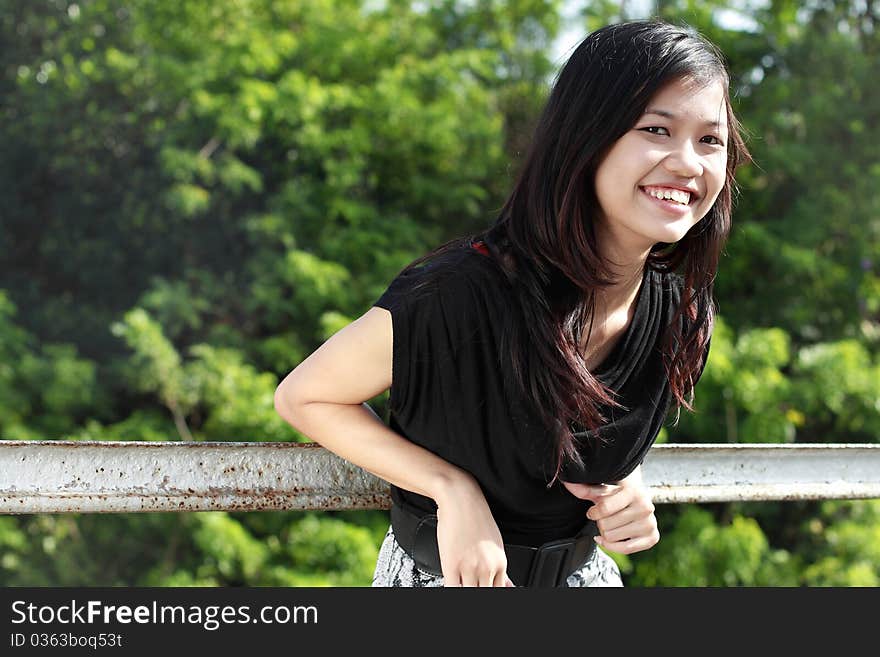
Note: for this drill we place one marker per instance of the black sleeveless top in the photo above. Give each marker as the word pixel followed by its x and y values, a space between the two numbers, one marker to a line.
pixel 450 395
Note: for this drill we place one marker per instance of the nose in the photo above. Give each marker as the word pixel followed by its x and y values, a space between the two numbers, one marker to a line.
pixel 684 161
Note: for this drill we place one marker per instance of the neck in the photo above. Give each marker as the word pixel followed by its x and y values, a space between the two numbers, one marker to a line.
pixel 626 262
pixel 623 293
pixel 613 311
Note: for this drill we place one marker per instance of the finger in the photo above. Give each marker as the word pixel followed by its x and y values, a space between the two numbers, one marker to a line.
pixel 588 491
pixel 509 582
pixel 611 493
pixel 487 579
pixel 621 518
pixel 500 579
pixel 629 546
pixel 635 529
pixel 470 579
pixel 614 503
pixel 451 581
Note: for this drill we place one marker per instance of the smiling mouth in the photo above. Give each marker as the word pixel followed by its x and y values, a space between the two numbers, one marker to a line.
pixel 674 197
pixel 670 206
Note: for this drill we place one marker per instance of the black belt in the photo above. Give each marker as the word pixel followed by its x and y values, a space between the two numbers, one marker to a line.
pixel 548 565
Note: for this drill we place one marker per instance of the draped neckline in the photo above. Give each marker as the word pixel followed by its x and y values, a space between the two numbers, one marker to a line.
pixel 639 336
pixel 630 347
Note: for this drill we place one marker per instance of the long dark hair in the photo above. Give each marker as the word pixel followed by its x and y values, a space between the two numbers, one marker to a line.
pixel 543 237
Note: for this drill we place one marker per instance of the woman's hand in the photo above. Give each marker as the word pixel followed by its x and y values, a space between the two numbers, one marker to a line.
pixel 471 547
pixel 623 512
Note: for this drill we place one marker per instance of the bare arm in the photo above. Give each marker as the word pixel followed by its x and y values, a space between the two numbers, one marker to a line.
pixel 324 399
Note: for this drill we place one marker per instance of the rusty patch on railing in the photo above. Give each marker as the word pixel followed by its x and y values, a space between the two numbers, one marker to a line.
pixel 111 477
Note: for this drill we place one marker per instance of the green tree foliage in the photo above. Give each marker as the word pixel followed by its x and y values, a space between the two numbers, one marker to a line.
pixel 700 552
pixel 199 193
pixel 813 205
pixel 845 540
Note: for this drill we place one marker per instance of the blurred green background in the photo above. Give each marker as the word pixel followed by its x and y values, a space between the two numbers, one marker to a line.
pixel 197 193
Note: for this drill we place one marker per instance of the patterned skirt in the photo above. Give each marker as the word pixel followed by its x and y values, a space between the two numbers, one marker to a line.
pixel 394 567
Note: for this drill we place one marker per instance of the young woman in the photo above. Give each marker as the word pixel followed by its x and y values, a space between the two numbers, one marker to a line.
pixel 532 365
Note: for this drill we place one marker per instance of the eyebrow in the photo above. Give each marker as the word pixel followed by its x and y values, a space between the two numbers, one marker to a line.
pixel 670 115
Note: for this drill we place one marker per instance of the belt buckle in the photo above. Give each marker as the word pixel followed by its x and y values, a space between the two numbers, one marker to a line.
pixel 425 551
pixel 550 564
pixel 556 560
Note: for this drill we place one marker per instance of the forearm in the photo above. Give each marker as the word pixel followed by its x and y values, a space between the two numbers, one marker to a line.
pixel 355 433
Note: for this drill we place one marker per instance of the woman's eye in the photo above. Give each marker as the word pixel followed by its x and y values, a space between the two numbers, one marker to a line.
pixel 652 128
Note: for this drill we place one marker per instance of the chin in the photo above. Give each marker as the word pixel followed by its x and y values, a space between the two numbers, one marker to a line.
pixel 674 237
pixel 673 232
pixel 665 236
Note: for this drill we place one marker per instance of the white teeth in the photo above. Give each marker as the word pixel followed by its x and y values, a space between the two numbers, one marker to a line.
pixel 669 194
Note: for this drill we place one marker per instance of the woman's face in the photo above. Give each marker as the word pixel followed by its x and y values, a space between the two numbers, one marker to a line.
pixel 675 145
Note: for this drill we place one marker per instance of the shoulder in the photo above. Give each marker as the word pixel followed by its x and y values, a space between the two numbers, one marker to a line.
pixel 461 271
pixel 468 264
pixel 453 278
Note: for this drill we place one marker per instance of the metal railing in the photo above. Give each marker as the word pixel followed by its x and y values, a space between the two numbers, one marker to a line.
pixel 113 477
